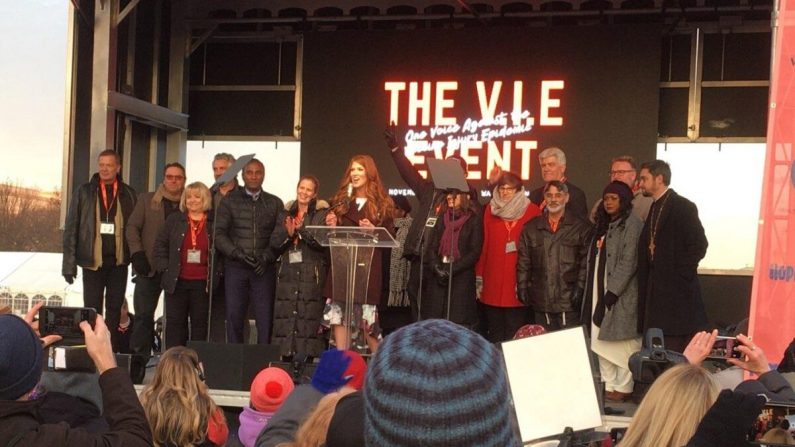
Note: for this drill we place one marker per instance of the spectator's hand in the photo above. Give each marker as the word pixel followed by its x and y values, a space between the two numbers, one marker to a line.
pixel 610 300
pixel 753 360
pixel 390 136
pixel 70 279
pixel 98 344
pixel 365 223
pixel 30 318
pixel 699 347
pixel 331 220
pixel 727 422
pixel 255 264
pixel 442 274
pixel 478 287
pixel 140 263
pixel 524 296
pixel 330 373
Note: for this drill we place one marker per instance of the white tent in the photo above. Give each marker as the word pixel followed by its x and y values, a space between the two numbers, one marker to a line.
pixel 28 277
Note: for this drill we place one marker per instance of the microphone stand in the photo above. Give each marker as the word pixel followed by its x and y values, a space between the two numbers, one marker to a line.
pixel 422 253
pixel 452 258
pixel 211 270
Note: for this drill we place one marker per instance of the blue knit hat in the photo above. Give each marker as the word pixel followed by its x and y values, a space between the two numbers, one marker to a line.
pixel 20 358
pixel 435 383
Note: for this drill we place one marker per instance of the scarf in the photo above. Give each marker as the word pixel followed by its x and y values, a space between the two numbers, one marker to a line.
pixel 453 222
pixel 510 209
pixel 161 193
pixel 399 266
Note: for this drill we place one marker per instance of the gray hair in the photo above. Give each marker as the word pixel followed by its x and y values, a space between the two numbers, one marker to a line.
pixel 224 156
pixel 553 152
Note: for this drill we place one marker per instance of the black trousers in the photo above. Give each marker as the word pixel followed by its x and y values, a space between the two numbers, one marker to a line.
pixel 189 302
pixel 218 314
pixel 553 321
pixel 104 290
pixel 503 322
pixel 145 298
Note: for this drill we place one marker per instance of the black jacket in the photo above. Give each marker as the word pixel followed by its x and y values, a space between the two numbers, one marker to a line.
pixel 424 190
pixel 21 424
pixel 247 227
pixel 576 205
pixel 552 266
pixel 81 224
pixel 168 253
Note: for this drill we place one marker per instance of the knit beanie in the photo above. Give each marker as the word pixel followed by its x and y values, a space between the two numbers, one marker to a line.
pixel 270 388
pixel 20 357
pixel 356 369
pixel 619 188
pixel 434 383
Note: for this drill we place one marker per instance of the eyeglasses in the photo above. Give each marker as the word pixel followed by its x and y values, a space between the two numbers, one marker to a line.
pixel 174 177
pixel 620 172
pixel 506 188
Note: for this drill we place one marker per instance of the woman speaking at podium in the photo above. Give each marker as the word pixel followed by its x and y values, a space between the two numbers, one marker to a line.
pixel 360 201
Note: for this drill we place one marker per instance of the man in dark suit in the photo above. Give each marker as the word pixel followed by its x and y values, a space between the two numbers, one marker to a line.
pixel 671 245
pixel 553 168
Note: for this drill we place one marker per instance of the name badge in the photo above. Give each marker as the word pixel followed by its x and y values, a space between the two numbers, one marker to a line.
pixel 194 256
pixel 295 257
pixel 431 222
pixel 107 228
pixel 510 247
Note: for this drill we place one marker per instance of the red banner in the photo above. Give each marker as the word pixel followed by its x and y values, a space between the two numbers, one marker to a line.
pixel 772 316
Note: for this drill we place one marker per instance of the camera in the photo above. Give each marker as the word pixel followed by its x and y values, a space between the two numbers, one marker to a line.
pixel 65 321
pixel 651 361
pixel 724 348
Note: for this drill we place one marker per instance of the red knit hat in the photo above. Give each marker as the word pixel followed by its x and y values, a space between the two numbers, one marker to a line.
pixel 529 330
pixel 357 368
pixel 270 388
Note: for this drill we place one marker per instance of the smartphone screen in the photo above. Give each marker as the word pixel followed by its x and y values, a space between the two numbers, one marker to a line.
pixel 65 321
pixel 724 348
pixel 773 418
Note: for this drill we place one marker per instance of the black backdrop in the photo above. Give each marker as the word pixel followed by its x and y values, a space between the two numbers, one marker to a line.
pixel 609 104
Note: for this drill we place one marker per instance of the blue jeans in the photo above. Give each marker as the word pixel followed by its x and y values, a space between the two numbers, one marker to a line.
pixel 243 285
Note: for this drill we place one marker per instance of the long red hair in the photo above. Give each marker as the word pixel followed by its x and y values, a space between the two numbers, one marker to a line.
pixel 379 205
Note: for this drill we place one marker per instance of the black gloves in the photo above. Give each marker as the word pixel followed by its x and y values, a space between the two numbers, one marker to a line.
pixel 140 263
pixel 610 300
pixel 441 273
pixel 255 264
pixel 390 136
pixel 727 422
pixel 69 278
pixel 524 296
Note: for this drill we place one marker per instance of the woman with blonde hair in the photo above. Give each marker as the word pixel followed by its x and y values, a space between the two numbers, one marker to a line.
pixel 178 406
pixel 360 201
pixel 672 409
pixel 313 430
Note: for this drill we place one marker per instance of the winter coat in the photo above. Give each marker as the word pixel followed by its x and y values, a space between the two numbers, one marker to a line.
pixel 20 423
pixel 551 266
pixel 620 242
pixel 247 227
pixel 496 267
pixel 670 294
pixel 285 422
pixel 463 304
pixel 298 309
pixel 168 250
pixel 145 223
pixel 80 227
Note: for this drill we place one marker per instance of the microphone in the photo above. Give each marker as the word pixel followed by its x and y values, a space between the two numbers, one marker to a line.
pixel 350 189
pixel 345 200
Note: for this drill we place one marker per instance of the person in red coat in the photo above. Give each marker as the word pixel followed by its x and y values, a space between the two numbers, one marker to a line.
pixel 503 220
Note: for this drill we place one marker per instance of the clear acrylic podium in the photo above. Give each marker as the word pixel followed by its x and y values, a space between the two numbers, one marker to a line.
pixel 352 251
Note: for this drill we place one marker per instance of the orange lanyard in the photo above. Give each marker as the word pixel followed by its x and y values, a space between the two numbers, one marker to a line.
pixel 105 196
pixel 553 225
pixel 195 228
pixel 509 226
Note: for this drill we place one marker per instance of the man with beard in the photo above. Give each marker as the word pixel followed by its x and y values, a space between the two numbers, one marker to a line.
pixel 550 272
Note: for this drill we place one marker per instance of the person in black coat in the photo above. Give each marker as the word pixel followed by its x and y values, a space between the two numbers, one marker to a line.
pixel 302 271
pixel 671 245
pixel 457 237
pixel 553 168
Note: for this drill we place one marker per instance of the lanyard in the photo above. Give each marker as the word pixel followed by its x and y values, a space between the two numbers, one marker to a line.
pixel 105 196
pixel 195 228
pixel 553 225
pixel 509 226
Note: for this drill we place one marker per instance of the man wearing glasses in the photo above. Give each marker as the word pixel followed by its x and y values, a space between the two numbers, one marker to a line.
pixel 147 219
pixel 623 168
pixel 550 271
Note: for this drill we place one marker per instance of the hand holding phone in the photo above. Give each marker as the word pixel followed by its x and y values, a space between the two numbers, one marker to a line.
pixel 65 321
pixel 752 357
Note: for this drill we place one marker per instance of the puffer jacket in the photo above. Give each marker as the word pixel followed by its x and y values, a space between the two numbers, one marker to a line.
pixel 81 224
pixel 247 227
pixel 552 266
